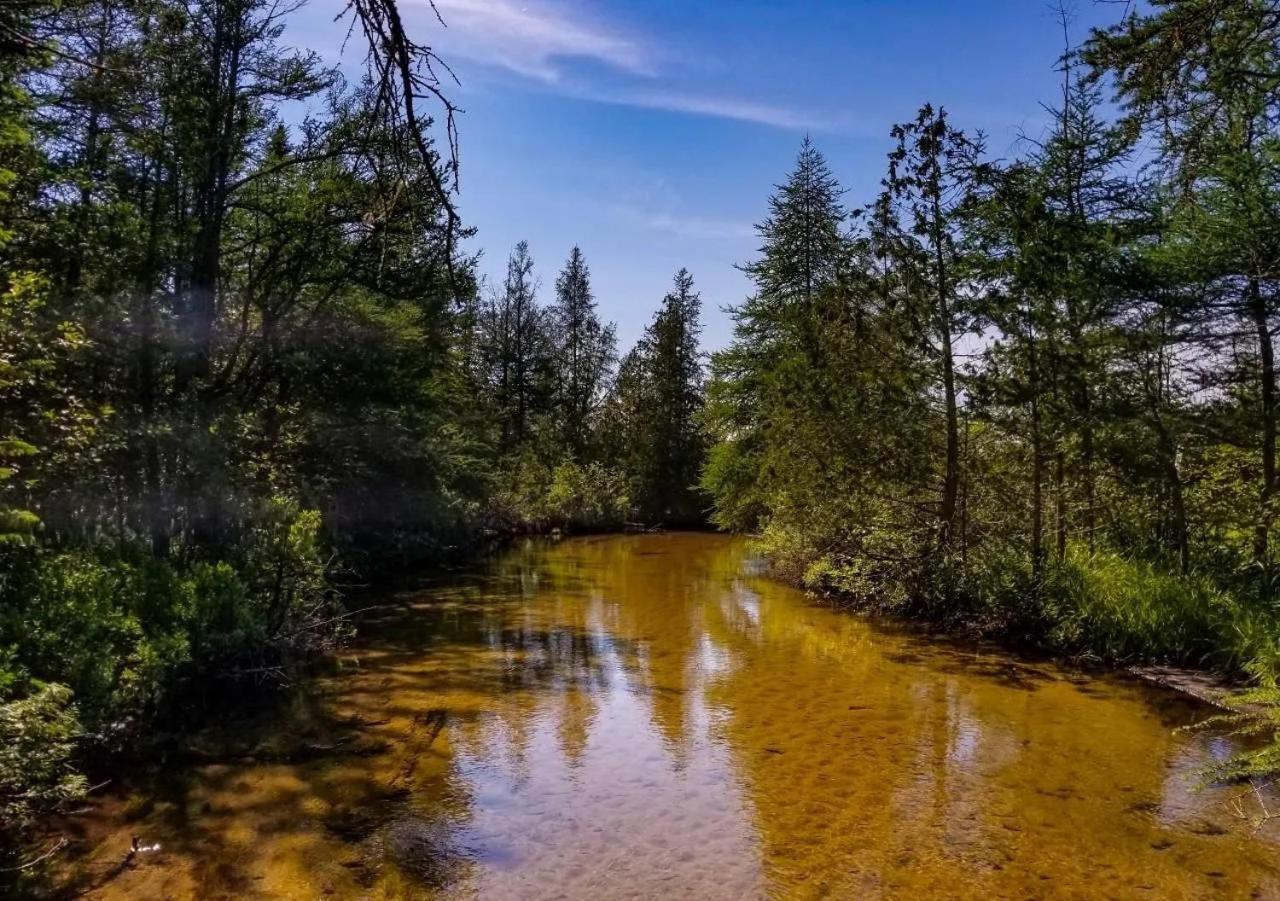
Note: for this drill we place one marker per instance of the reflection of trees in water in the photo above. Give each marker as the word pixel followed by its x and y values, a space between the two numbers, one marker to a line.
pixel 876 757
pixel 603 610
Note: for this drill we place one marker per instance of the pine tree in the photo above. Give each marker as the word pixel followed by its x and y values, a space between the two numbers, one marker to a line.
pixel 932 174
pixel 585 351
pixel 658 401
pixel 514 334
pixel 774 359
pixel 802 239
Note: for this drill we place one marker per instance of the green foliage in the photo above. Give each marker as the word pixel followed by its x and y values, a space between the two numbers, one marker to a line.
pixel 1124 609
pixel 217 319
pixel 585 350
pixel 38 740
pixel 129 636
pixel 590 497
pixel 572 450
pixel 36 350
pixel 534 496
pixel 126 633
pixel 111 630
pixel 1255 717
pixel 655 412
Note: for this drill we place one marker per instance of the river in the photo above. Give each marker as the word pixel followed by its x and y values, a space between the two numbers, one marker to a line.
pixel 647 716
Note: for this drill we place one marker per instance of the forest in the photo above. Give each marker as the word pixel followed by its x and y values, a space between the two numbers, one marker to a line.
pixel 248 366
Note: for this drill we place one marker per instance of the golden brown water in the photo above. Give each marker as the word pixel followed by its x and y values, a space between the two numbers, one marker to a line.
pixel 646 717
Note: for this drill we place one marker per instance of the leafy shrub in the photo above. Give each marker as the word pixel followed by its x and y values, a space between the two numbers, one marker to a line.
pixel 38 736
pixel 124 637
pixel 572 496
pixel 112 631
pixel 587 497
pixel 283 566
pixel 1105 604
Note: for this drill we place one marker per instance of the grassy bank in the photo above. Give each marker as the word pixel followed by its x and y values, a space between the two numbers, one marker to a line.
pixel 1100 606
pixel 1097 606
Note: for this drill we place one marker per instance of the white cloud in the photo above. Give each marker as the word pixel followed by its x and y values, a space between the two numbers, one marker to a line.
pixel 533 38
pixel 727 108
pixel 699 228
pixel 530 37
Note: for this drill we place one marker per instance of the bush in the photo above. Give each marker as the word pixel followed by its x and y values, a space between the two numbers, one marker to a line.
pixel 1104 605
pixel 111 630
pixel 575 497
pixel 284 569
pixel 38 737
pixel 591 497
pixel 125 637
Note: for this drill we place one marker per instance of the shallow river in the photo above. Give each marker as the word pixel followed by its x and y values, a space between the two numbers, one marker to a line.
pixel 646 717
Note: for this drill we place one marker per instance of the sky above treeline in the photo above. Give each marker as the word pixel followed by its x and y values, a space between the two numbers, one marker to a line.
pixel 651 133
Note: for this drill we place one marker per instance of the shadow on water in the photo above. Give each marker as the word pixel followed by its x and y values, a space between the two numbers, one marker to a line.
pixel 346 748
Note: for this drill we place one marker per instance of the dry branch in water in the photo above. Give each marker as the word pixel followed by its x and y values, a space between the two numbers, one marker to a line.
pixel 1250 805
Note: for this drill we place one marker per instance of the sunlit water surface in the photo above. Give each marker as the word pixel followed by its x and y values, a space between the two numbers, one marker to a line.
pixel 641 717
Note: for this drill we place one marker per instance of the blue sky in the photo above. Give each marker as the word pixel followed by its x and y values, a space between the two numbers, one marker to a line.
pixel 651 133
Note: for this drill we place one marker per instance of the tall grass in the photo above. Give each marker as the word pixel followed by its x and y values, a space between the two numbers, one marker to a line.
pixel 1122 609
pixel 1101 605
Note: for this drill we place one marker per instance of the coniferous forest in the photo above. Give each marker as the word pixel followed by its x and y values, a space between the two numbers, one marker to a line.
pixel 248 367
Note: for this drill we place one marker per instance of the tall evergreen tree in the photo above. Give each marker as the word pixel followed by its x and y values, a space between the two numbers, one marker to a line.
pixel 585 351
pixel 778 333
pixel 802 240
pixel 517 352
pixel 657 402
pixel 932 175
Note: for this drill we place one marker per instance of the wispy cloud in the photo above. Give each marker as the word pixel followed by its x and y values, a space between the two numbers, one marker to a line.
pixel 698 228
pixel 532 38
pixel 728 108
pixel 535 38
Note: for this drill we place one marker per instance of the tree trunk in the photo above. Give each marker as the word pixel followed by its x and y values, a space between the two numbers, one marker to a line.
pixel 201 484
pixel 951 476
pixel 1266 353
pixel 1060 502
pixel 1037 472
pixel 156 510
pixel 1037 495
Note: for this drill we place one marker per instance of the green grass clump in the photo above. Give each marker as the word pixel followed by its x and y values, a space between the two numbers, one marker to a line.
pixel 1117 608
pixel 1123 609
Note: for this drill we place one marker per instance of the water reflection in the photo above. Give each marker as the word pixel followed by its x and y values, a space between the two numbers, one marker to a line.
pixel 642 716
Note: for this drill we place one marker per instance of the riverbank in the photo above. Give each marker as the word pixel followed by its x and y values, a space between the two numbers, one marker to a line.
pixel 149 659
pixel 1092 607
pixel 289 728
pixel 1101 610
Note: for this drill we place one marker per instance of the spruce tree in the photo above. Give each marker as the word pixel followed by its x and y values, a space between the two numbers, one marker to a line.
pixel 802 238
pixel 774 358
pixel 514 335
pixel 658 401
pixel 585 350
pixel 931 178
